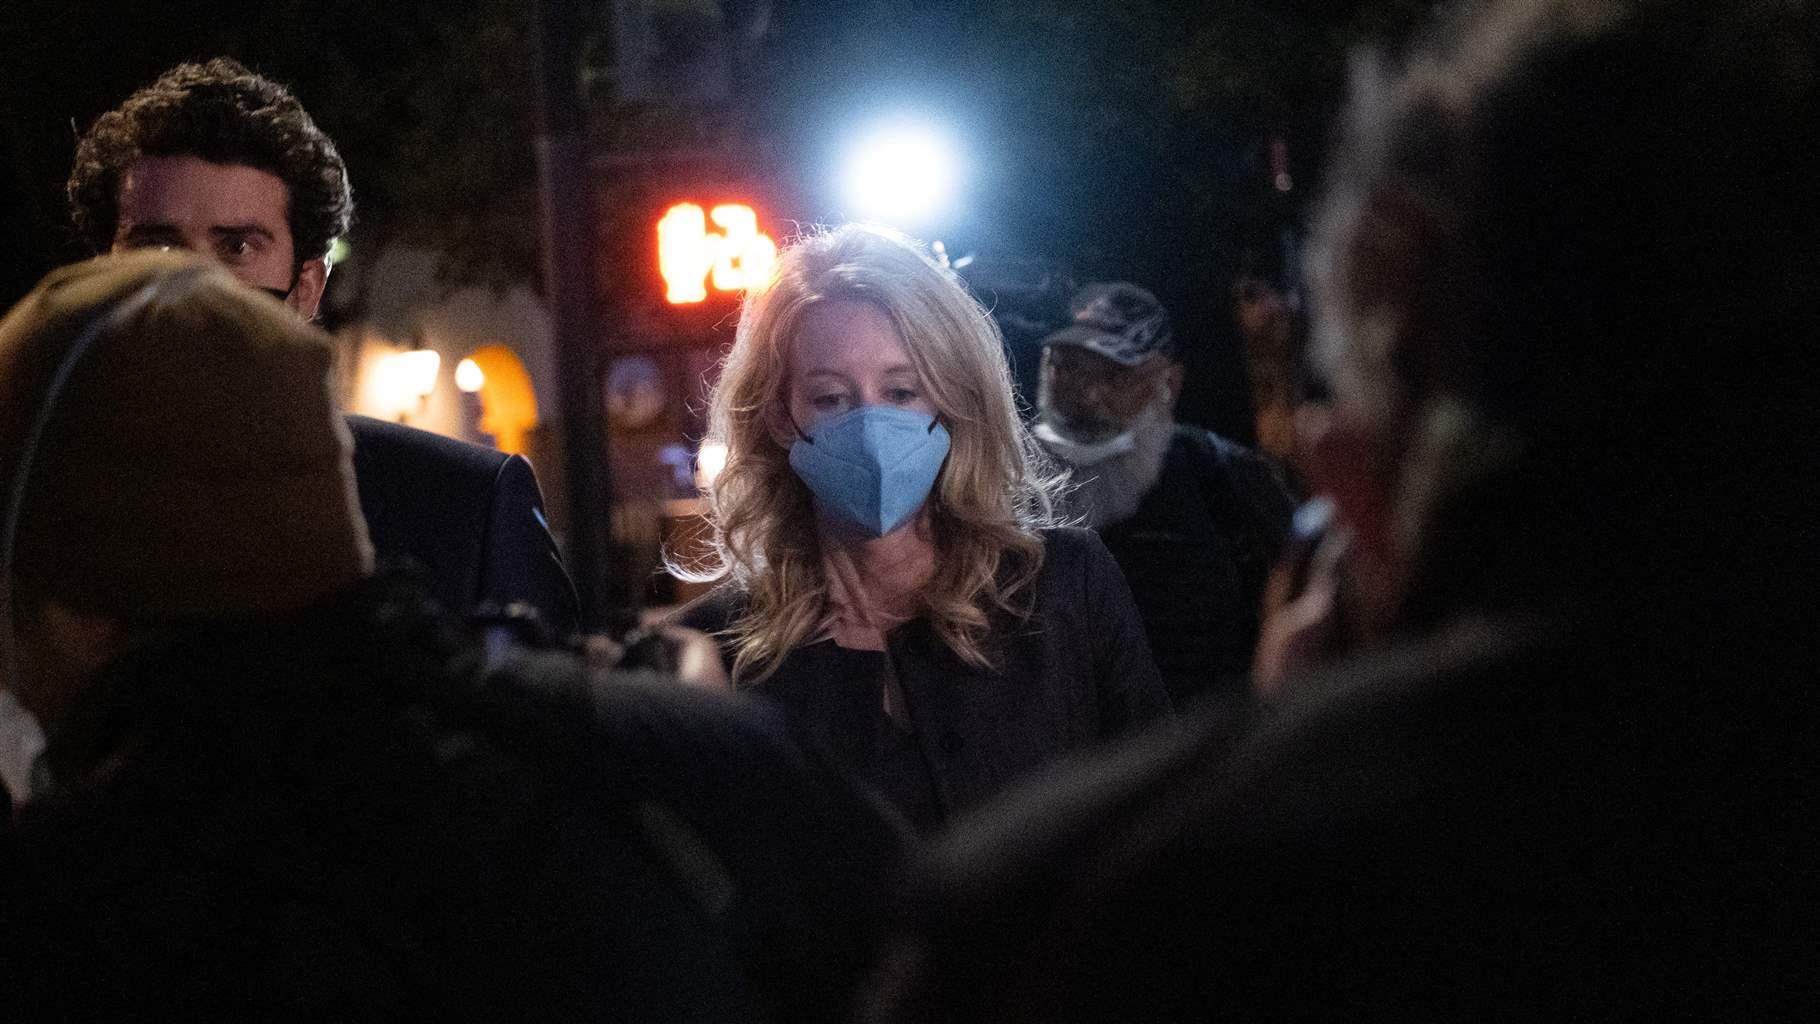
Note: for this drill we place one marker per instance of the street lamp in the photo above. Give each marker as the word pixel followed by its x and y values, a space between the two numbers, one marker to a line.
pixel 902 174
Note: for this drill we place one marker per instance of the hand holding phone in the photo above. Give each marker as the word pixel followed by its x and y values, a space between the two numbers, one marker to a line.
pixel 1303 610
pixel 1308 528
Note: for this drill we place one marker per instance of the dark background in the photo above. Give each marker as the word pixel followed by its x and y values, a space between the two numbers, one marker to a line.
pixel 1120 140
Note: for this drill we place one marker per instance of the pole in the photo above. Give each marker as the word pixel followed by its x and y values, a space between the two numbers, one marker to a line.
pixel 568 263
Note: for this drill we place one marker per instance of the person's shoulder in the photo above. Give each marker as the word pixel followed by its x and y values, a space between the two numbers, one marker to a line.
pixel 1214 446
pixel 1069 551
pixel 394 442
pixel 1254 476
pixel 1069 542
pixel 1076 568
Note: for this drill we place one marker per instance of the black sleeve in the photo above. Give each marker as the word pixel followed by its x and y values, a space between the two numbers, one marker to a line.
pixel 520 561
pixel 1129 688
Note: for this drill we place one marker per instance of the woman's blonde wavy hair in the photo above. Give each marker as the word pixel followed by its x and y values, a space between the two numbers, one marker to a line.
pixel 993 493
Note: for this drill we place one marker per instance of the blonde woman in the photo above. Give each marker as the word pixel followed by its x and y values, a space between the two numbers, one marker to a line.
pixel 891 574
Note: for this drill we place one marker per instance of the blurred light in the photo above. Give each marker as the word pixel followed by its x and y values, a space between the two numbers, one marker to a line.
pixel 469 376
pixel 682 253
pixel 1279 164
pixel 508 410
pixel 407 377
pixel 901 175
pixel 709 461
pixel 745 256
pixel 339 250
pixel 689 256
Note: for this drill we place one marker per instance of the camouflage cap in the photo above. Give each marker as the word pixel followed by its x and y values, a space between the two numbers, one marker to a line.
pixel 1118 320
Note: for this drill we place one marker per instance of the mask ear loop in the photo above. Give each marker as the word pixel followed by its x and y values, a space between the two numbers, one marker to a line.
pixel 793 424
pixel 103 323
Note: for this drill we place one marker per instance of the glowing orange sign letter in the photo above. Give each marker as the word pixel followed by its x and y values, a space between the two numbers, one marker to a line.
pixel 746 256
pixel 682 253
pixel 689 256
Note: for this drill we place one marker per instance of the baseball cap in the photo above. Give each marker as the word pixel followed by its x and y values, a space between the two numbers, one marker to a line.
pixel 1118 320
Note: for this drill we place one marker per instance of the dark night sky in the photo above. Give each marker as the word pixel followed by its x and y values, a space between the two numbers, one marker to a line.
pixel 1126 139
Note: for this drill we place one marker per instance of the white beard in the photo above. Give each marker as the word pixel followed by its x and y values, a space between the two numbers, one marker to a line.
pixel 1110 491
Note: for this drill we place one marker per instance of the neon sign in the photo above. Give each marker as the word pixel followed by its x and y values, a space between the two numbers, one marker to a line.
pixel 692 258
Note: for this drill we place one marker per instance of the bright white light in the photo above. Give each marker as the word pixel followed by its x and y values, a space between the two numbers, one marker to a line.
pixel 418 371
pixel 709 461
pixel 469 376
pixel 403 380
pixel 901 175
pixel 409 376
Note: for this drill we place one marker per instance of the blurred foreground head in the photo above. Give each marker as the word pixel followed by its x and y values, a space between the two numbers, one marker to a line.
pixel 1562 271
pixel 170 453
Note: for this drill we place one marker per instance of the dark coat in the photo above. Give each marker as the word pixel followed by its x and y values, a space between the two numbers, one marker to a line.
pixel 469 519
pixel 345 816
pixel 1522 821
pixel 1075 672
pixel 1197 553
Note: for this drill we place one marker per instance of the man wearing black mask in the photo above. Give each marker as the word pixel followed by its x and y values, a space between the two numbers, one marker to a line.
pixel 217 160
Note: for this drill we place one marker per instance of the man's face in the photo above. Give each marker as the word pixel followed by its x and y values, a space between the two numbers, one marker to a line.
pixel 1091 397
pixel 234 214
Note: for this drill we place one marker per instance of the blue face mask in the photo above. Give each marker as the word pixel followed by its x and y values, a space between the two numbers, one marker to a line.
pixel 872 466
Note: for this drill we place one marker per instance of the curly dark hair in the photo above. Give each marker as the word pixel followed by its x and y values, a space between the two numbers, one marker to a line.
pixel 222 113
